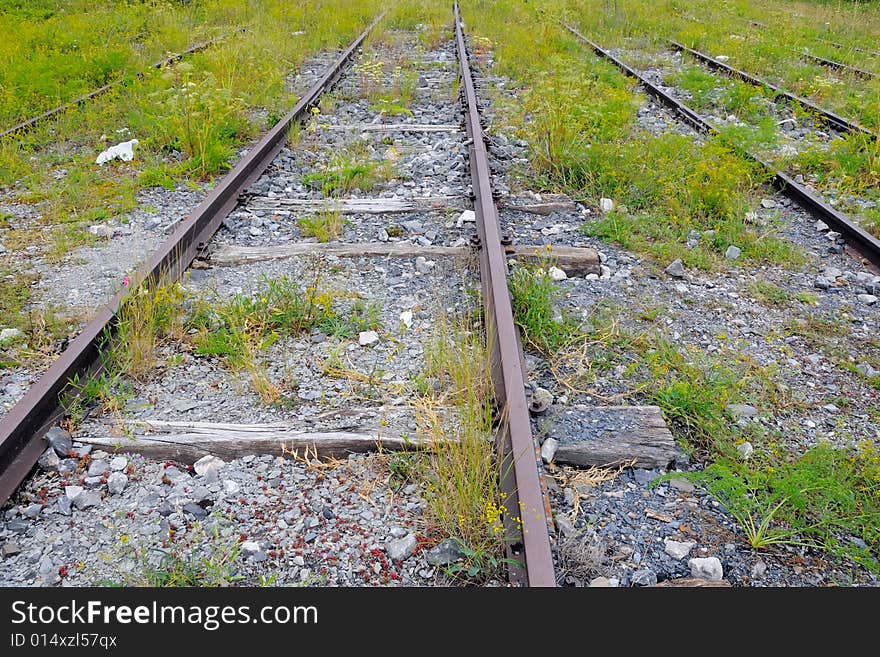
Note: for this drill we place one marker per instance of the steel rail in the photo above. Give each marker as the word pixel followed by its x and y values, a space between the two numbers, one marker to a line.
pixel 830 118
pixel 23 428
pixel 843 46
pixel 27 124
pixel 838 66
pixel 525 509
pixel 867 243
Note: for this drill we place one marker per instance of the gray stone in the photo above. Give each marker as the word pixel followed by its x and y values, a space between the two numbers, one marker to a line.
pixel 68 466
pixel 677 549
pixel 676 269
pixel 59 440
pixel 86 500
pixel 63 504
pixel 93 482
pixel 867 299
pixel 118 463
pixel 606 204
pixel 733 252
pixel 768 203
pixel 741 411
pixel 32 511
pixel 184 405
pixel 446 552
pixel 10 549
pixel 759 569
pixel 82 450
pixel 401 549
pixel 49 460
pixel 682 485
pixel 644 577
pixel 116 483
pixel 832 273
pixel 18 526
pixel 564 526
pixel 867 370
pixel 821 226
pixel 745 450
pixel 195 510
pixel 423 265
pixel 98 468
pixel 250 547
pixel 706 568
pixel 327 512
pixel 548 449
pixel 208 464
pixel 643 476
pixel 822 283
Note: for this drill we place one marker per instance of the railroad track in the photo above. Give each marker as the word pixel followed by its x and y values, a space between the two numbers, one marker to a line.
pixel 28 124
pixel 864 242
pixel 24 428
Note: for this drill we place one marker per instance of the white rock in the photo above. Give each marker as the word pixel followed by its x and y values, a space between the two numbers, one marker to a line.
pixel 468 216
pixel 548 449
pixel 406 318
pixel 867 299
pixel 677 549
pixel 124 151
pixel 722 58
pixel 72 492
pixel 606 204
pixel 768 203
pixel 733 252
pixel 423 265
pixel 116 483
pixel 706 568
pixel 821 226
pixel 208 464
pixel 557 274
pixel 102 230
pixel 745 450
pixel 118 463
pixel 231 487
pixel 8 334
pixel 366 338
pixel 250 546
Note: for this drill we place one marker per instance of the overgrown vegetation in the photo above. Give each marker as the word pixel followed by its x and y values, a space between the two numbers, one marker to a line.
pixel 677 198
pixel 460 472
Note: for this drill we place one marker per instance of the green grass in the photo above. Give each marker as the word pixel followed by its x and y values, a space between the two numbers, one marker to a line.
pixel 324 226
pixel 535 297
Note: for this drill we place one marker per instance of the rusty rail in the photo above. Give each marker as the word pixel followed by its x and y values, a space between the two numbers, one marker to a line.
pixel 864 241
pixel 23 428
pixel 830 118
pixel 514 441
pixel 838 66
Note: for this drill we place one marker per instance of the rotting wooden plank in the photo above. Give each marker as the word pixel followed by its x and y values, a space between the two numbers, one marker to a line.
pixel 394 205
pixel 189 441
pixel 692 582
pixel 574 261
pixel 610 435
pixel 392 127
pixel 359 205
